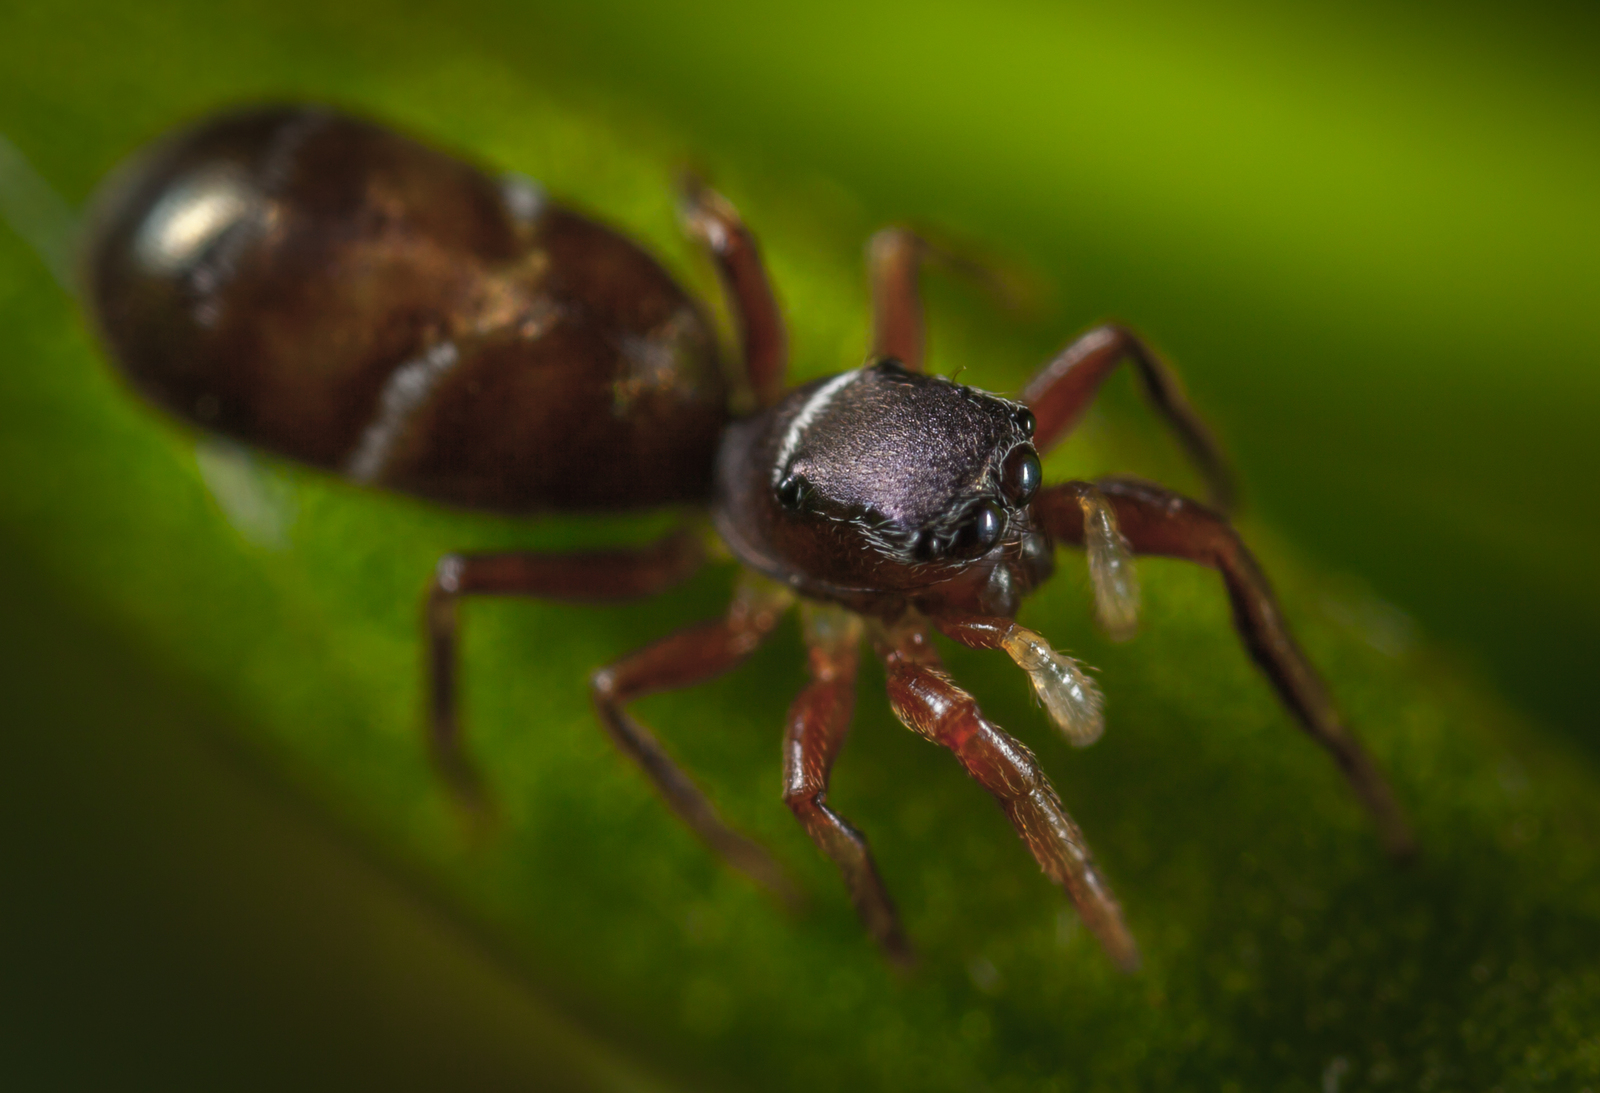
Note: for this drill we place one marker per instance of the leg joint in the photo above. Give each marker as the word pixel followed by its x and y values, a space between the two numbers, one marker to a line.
pixel 603 685
pixel 448 573
pixel 804 800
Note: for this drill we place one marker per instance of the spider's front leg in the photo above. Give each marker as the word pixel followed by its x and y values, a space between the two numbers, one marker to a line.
pixel 819 720
pixel 929 703
pixel 1061 391
pixel 1157 521
pixel 692 656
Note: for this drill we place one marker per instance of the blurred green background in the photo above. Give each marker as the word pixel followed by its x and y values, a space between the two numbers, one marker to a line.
pixel 1370 240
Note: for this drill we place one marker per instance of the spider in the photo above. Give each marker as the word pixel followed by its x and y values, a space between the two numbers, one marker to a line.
pixel 327 289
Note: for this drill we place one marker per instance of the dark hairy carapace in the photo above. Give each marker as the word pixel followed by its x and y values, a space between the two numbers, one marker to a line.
pixel 323 288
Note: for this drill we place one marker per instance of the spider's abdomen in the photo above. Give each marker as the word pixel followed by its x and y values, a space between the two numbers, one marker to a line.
pixel 326 289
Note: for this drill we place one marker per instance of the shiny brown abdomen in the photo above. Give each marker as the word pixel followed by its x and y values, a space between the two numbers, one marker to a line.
pixel 328 290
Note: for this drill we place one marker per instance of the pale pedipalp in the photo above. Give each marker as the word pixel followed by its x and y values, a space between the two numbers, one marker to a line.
pixel 1112 574
pixel 1070 697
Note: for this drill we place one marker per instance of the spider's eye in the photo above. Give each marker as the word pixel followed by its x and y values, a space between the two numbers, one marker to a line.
pixel 980 532
pixel 1021 475
pixel 1025 421
pixel 892 367
pixel 792 492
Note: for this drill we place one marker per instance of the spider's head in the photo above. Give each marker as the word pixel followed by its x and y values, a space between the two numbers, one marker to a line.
pixel 885 481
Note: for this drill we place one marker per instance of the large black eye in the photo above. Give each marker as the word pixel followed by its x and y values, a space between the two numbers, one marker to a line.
pixel 1021 476
pixel 980 532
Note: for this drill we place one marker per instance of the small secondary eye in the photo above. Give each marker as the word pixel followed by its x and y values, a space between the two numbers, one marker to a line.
pixel 1021 476
pixel 792 492
pixel 891 366
pixel 980 532
pixel 1025 421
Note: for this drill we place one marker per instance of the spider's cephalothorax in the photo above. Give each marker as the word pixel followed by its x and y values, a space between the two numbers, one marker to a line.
pixel 333 291
pixel 883 488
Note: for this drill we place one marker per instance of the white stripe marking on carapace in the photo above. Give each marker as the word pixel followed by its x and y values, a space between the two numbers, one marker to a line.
pixel 817 403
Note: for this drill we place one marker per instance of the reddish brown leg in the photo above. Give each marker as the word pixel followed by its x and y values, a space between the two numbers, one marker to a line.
pixel 602 575
pixel 1154 520
pixel 926 701
pixel 819 720
pixel 681 660
pixel 711 219
pixel 894 258
pixel 1062 390
pixel 894 263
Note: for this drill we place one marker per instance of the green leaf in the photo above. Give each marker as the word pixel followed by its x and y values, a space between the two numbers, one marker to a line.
pixel 1282 950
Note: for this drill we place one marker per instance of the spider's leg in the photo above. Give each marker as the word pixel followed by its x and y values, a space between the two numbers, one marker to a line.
pixel 819 720
pixel 691 656
pixel 1157 521
pixel 714 222
pixel 894 262
pixel 595 576
pixel 894 259
pixel 927 702
pixel 1061 391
